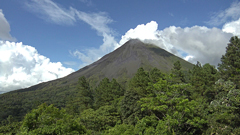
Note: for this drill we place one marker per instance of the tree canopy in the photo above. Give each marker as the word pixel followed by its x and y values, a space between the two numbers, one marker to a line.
pixel 203 100
pixel 230 62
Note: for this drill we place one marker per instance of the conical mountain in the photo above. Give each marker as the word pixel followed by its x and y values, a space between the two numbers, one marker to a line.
pixel 128 58
pixel 121 63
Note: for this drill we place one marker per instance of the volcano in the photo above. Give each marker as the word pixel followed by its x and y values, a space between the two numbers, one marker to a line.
pixel 120 64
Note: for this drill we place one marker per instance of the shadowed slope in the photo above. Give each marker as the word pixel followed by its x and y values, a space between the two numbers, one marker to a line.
pixel 121 64
pixel 128 58
pixel 124 61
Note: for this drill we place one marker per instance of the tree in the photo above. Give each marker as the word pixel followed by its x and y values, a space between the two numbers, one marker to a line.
pixel 50 120
pixel 230 66
pixel 101 97
pixel 83 98
pixel 10 126
pixel 101 119
pixel 137 88
pixel 146 126
pixel 130 108
pixel 203 79
pixel 225 109
pixel 139 82
pixel 178 76
pixel 116 89
pixel 122 129
pixel 107 91
pixel 155 74
pixel 174 111
pixel 85 92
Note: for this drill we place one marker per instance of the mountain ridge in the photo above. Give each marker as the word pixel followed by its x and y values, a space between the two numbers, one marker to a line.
pixel 121 64
pixel 124 61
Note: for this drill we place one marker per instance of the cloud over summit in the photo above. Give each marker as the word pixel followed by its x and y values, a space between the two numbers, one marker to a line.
pixel 197 43
pixel 142 32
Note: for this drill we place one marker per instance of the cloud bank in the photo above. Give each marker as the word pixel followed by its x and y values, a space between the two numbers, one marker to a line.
pixel 197 43
pixel 22 66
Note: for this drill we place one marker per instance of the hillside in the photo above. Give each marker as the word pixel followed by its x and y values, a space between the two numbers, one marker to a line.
pixel 121 64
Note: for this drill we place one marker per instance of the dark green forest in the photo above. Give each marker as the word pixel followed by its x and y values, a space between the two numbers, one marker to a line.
pixel 204 100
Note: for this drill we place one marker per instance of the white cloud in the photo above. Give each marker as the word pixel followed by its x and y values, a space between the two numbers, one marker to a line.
pixel 232 27
pixel 98 21
pixel 88 56
pixel 70 63
pixel 149 33
pixel 52 12
pixel 198 43
pixel 188 58
pixel 206 45
pixel 88 2
pixel 232 13
pixel 141 32
pixel 171 14
pixel 4 28
pixel 21 66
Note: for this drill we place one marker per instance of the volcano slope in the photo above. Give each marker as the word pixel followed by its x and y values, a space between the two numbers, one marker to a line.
pixel 120 64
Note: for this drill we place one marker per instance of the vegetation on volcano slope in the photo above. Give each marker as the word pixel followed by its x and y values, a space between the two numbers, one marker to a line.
pixel 121 64
pixel 204 101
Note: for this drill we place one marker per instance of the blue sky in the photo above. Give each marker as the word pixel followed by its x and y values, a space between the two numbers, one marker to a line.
pixel 65 35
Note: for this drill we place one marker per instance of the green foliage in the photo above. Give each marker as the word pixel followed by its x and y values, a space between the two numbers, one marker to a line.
pixel 146 125
pixel 207 102
pixel 10 126
pixel 139 82
pixel 175 112
pixel 230 66
pixel 107 91
pixel 84 88
pixel 122 129
pixel 18 104
pixel 203 79
pixel 101 119
pixel 50 120
pixel 224 117
pixel 155 74
pixel 83 98
pixel 178 76
pixel 129 107
pixel 116 88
